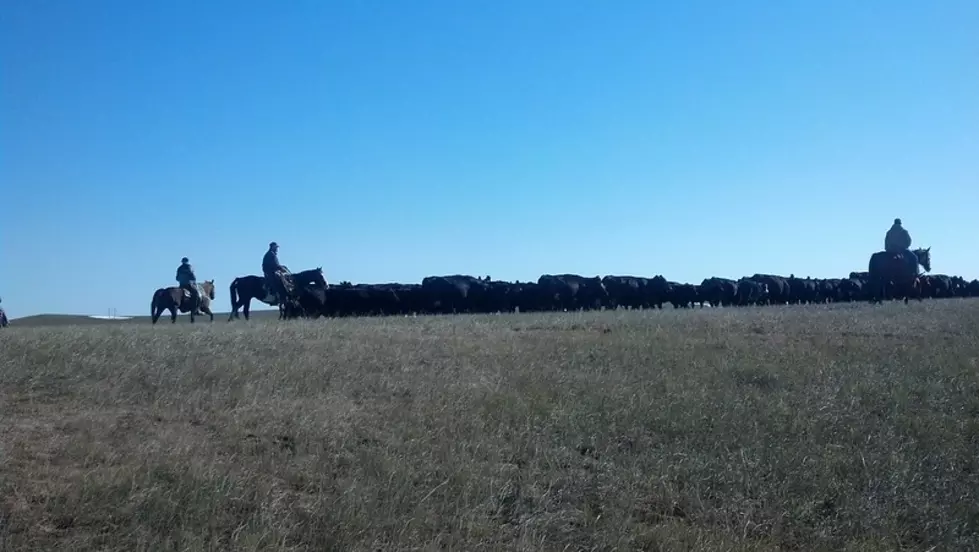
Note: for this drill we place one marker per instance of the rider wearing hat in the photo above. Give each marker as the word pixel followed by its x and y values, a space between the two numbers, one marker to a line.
pixel 188 280
pixel 898 240
pixel 273 270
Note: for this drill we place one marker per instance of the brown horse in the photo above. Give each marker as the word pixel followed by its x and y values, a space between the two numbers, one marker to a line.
pixel 174 299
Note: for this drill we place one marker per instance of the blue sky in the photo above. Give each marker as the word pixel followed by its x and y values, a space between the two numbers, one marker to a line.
pixel 389 140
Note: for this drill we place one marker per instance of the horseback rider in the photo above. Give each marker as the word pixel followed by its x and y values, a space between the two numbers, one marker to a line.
pixel 273 271
pixel 188 281
pixel 898 240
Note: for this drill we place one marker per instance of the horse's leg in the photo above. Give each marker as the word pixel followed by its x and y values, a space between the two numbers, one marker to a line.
pixel 207 311
pixel 235 305
pixel 246 306
pixel 173 314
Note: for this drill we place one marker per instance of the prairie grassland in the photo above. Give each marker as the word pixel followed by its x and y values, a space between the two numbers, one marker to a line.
pixel 817 428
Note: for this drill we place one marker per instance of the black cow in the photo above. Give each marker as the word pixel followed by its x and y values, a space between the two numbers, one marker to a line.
pixel 627 291
pixel 456 293
pixel 828 290
pixel 362 300
pixel 779 292
pixel 852 289
pixel 309 302
pixel 685 295
pixel 751 292
pixel 958 286
pixel 635 292
pixel 573 292
pixel 936 286
pixel 530 297
pixel 802 291
pixel 719 291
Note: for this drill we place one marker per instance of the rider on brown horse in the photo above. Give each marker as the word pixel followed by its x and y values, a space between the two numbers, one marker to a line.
pixel 898 240
pixel 188 281
pixel 273 271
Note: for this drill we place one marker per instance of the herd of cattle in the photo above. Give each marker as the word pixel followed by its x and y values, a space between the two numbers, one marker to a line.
pixel 467 294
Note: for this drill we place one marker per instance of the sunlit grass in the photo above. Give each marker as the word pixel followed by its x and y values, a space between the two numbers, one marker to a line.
pixel 732 429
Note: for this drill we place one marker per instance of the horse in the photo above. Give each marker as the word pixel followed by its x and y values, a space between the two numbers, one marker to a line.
pixel 894 271
pixel 4 321
pixel 245 288
pixel 176 298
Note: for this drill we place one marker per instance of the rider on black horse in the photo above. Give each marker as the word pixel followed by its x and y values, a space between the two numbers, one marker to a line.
pixel 188 281
pixel 274 271
pixel 898 241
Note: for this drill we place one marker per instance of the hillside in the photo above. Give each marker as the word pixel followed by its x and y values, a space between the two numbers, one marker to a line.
pixel 818 428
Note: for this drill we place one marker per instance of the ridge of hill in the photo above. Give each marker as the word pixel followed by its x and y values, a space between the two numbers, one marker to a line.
pixel 51 319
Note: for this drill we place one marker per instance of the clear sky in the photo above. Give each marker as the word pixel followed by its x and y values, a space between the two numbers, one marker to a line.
pixel 388 140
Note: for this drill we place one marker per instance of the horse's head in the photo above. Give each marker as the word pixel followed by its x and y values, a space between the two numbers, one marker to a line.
pixel 320 278
pixel 208 287
pixel 313 277
pixel 924 258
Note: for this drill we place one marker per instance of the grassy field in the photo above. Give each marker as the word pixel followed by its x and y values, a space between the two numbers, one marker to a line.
pixel 816 428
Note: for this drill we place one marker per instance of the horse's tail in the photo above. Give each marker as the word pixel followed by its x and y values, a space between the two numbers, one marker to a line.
pixel 153 303
pixel 233 288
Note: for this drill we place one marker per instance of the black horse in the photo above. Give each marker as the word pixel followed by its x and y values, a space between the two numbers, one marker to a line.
pixel 246 288
pixel 892 271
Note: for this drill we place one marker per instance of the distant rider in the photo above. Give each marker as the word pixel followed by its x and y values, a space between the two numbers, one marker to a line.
pixel 188 280
pixel 273 271
pixel 898 240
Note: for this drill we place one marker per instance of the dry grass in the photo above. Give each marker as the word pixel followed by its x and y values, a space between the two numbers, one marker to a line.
pixel 818 428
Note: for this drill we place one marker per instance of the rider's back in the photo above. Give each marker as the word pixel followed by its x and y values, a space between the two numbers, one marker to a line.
pixel 897 239
pixel 270 262
pixel 185 274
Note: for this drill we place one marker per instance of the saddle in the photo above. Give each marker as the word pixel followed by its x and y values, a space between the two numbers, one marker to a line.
pixel 285 279
pixel 901 260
